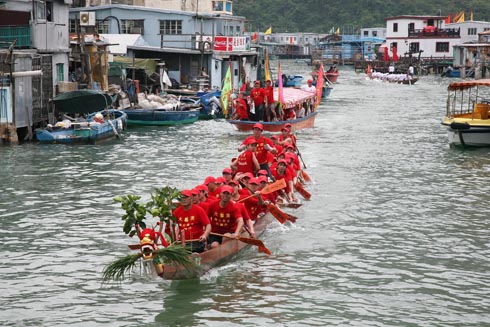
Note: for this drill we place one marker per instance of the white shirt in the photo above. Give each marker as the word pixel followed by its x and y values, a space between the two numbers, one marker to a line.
pixel 308 88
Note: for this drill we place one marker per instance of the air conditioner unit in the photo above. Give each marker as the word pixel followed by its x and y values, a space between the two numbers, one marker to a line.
pixel 87 18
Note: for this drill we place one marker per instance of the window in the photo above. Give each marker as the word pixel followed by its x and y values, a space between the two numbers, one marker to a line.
pixel 40 10
pixel 442 46
pixel 411 26
pixel 102 26
pixel 170 27
pixel 414 47
pixel 472 31
pixel 375 33
pixel 72 25
pixel 395 27
pixel 228 6
pixel 366 33
pixel 486 29
pixel 60 73
pixel 132 26
pixel 218 5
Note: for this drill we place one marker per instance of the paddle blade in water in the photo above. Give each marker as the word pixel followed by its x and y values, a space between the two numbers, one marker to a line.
pixel 292 218
pixel 277 185
pixel 301 190
pixel 280 215
pixel 265 250
pixel 305 176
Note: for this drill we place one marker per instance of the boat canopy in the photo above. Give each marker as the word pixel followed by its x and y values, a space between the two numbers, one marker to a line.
pixel 468 84
pixel 293 97
pixel 82 101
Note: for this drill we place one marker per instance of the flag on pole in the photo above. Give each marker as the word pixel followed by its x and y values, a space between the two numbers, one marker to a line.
pixel 254 37
pixel 269 31
pixel 267 68
pixel 166 79
pixel 226 91
pixel 319 85
pixel 337 32
pixel 395 54
pixel 332 30
pixel 280 89
pixel 448 19
pixel 461 18
pixel 471 15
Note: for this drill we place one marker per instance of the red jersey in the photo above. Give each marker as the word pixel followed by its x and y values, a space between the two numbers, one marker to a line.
pixel 241 109
pixel 192 221
pixel 252 206
pixel 287 177
pixel 258 95
pixel 243 210
pixel 245 163
pixel 260 151
pixel 269 94
pixel 224 220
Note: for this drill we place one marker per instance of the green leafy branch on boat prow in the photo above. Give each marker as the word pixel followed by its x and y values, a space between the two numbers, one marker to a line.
pixel 163 202
pixel 173 254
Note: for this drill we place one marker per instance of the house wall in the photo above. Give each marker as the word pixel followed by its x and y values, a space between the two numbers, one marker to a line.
pixel 465 29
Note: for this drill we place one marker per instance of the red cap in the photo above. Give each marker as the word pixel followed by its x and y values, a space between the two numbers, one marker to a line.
pixel 309 81
pixel 262 172
pixel 233 182
pixel 259 126
pixel 273 137
pixel 289 146
pixel 257 82
pixel 249 141
pixel 288 125
pixel 220 180
pixel 255 181
pixel 195 191
pixel 227 188
pixel 186 193
pixel 209 179
pixel 284 128
pixel 202 187
pixel 263 179
pixel 227 171
pixel 249 175
pixel 282 161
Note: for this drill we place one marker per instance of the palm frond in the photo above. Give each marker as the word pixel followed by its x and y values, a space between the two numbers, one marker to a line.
pixel 117 269
pixel 176 255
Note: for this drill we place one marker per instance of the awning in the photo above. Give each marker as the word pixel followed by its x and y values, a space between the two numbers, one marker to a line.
pixel 82 101
pixel 468 84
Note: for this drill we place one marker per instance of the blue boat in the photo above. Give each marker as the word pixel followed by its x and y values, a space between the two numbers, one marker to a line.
pixel 291 80
pixel 98 124
pixel 161 117
pixel 89 131
pixel 210 105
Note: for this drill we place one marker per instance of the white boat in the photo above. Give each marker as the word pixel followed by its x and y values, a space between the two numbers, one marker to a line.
pixel 467 114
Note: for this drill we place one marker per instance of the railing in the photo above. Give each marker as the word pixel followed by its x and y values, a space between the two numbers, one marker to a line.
pixel 20 33
pixel 435 32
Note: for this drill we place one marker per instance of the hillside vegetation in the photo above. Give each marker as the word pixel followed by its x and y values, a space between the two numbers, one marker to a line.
pixel 320 16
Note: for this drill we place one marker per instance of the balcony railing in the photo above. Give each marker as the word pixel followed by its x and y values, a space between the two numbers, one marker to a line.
pixel 432 32
pixel 20 33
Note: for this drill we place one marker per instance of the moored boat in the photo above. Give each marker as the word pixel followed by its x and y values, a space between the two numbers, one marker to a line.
pixel 293 98
pixel 98 124
pixel 467 113
pixel 161 117
pixel 331 77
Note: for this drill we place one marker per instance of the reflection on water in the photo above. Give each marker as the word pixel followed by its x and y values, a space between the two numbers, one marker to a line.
pixel 396 233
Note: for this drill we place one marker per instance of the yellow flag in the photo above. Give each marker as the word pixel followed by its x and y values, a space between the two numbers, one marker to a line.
pixel 471 15
pixel 269 31
pixel 267 68
pixel 461 17
pixel 337 32
pixel 226 92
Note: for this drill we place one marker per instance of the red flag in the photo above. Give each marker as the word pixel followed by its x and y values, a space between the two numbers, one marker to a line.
pixel 254 37
pixel 448 19
pixel 395 55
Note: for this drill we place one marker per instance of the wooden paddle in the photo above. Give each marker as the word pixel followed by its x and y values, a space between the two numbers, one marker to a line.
pixel 301 190
pixel 251 241
pixel 276 186
pixel 305 176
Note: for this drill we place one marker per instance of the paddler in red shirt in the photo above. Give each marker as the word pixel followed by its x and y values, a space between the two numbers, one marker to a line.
pixel 270 110
pixel 225 217
pixel 247 161
pixel 193 223
pixel 258 96
pixel 280 171
pixel 241 112
pixel 264 145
